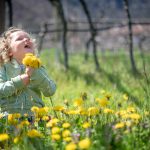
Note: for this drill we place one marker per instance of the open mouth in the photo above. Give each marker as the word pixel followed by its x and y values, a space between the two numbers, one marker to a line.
pixel 27 46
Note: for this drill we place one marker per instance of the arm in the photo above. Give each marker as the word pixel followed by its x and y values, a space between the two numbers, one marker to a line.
pixel 40 79
pixel 8 88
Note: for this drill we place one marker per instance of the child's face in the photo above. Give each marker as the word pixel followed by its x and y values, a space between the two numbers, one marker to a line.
pixel 20 44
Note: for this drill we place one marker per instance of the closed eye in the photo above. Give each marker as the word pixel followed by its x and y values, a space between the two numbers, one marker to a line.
pixel 18 39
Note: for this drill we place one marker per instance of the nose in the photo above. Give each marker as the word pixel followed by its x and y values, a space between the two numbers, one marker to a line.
pixel 26 39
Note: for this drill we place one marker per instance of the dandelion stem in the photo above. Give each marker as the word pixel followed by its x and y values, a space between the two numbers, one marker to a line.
pixel 53 107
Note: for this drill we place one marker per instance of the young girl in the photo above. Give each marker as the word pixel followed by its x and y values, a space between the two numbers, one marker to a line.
pixel 20 86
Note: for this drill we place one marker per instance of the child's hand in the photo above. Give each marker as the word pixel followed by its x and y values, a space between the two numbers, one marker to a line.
pixel 31 61
pixel 26 76
pixel 29 70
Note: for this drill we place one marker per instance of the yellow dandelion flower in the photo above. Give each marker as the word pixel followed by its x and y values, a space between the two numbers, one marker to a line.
pixel 55 130
pixel 17 115
pixel 4 137
pixel 71 146
pixel 66 133
pixel 46 109
pixel 107 111
pixel 45 118
pixel 12 120
pixel 131 109
pixel 78 102
pixel 49 124
pixel 10 117
pixel 66 125
pixel 35 109
pixel 121 112
pixel 72 112
pixel 93 111
pixel 31 60
pixel 119 125
pixel 55 120
pixel 36 63
pixel 58 108
pixel 43 111
pixel 23 123
pixel 27 59
pixel 85 143
pixel 52 122
pixel 125 97
pixel 102 102
pixel 16 139
pixel 67 139
pixel 125 116
pixel 135 116
pixel 82 111
pixel 55 137
pixel 86 125
pixel 34 133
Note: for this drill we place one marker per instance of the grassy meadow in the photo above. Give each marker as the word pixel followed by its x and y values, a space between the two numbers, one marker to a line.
pixel 115 76
pixel 115 79
pixel 96 110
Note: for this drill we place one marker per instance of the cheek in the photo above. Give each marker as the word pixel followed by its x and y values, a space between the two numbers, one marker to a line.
pixel 16 47
pixel 12 46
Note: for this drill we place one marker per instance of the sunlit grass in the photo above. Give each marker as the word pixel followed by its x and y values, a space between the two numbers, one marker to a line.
pixel 115 75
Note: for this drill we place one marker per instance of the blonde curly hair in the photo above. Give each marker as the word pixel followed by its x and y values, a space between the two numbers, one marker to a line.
pixel 5 45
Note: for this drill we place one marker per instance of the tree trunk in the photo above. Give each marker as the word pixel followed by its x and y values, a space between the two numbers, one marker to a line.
pixel 58 5
pixel 41 36
pixel 2 16
pixel 126 7
pixel 93 33
pixel 86 56
pixel 10 12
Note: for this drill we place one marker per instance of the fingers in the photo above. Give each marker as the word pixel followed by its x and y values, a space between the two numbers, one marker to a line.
pixel 25 78
pixel 29 71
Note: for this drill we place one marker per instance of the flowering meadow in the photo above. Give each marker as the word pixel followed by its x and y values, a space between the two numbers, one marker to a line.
pixel 109 110
pixel 82 126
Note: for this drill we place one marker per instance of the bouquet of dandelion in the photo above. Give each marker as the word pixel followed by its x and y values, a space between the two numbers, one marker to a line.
pixel 34 62
pixel 31 61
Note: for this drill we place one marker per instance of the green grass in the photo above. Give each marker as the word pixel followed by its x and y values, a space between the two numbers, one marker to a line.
pixel 115 76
